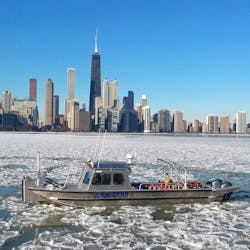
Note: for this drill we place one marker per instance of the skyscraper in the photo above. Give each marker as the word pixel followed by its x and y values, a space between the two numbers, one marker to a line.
pixel 241 122
pixel 98 107
pixel 195 126
pixel 164 120
pixel 6 101
pixel 33 88
pixel 213 124
pixel 128 101
pixel 178 121
pixel 55 109
pixel 144 101
pixel 138 108
pixel 128 116
pixel 71 76
pixel 110 93
pixel 84 119
pixel 224 125
pixel 146 118
pixel 49 103
pixel 95 81
pixel 112 120
pixel 73 121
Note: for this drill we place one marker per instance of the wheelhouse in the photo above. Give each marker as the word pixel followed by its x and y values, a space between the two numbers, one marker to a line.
pixel 105 176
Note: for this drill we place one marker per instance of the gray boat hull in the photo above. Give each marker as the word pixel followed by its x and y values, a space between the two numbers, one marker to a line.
pixel 77 198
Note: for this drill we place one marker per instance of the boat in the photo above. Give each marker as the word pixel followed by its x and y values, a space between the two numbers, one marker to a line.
pixel 106 183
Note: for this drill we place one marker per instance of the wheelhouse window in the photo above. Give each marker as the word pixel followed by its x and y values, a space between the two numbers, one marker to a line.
pixel 101 179
pixel 118 179
pixel 87 177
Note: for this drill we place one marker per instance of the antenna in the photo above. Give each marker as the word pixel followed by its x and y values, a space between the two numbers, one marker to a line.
pixel 100 155
pixel 96 48
pixel 38 167
pixel 97 142
pixel 66 180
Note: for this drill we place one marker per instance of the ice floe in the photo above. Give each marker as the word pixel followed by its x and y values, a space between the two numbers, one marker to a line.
pixel 198 226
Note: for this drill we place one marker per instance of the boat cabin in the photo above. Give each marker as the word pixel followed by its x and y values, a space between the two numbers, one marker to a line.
pixel 105 175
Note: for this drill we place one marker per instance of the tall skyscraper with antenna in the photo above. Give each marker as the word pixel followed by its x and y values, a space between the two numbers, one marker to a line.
pixel 95 81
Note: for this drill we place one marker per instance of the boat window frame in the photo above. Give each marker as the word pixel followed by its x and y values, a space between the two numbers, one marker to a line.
pixel 87 177
pixel 102 179
pixel 118 182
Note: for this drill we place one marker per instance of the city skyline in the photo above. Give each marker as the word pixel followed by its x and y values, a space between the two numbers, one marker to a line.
pixel 190 57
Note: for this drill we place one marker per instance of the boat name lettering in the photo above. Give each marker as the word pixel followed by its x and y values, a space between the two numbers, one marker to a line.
pixel 110 195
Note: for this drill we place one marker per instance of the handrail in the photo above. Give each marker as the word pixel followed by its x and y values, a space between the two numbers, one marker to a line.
pixel 172 164
pixel 100 155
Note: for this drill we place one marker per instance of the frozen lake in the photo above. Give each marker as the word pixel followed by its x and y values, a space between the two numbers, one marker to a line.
pixel 198 226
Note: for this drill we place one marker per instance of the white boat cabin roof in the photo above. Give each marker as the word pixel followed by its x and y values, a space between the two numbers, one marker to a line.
pixel 118 165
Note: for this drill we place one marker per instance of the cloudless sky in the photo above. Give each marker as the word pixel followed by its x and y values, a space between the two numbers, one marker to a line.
pixel 189 55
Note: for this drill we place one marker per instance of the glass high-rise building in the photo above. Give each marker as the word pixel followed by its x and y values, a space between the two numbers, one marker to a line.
pixel 128 116
pixel 55 109
pixel 95 81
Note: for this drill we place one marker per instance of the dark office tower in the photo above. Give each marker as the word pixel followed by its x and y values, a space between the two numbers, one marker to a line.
pixel 131 99
pixel 56 110
pixel 164 121
pixel 33 86
pixel 84 121
pixel 95 82
pixel 128 101
pixel 128 116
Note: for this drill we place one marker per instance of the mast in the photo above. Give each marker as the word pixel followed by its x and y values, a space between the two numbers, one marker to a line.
pixel 100 155
pixel 38 168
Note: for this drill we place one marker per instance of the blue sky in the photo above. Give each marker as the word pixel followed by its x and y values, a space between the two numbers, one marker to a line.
pixel 182 54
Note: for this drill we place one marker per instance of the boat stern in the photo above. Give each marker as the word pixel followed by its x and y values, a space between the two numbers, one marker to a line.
pixel 27 194
pixel 224 194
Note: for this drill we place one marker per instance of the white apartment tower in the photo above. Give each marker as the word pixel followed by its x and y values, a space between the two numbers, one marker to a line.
pixel 146 118
pixel 178 121
pixel 241 122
